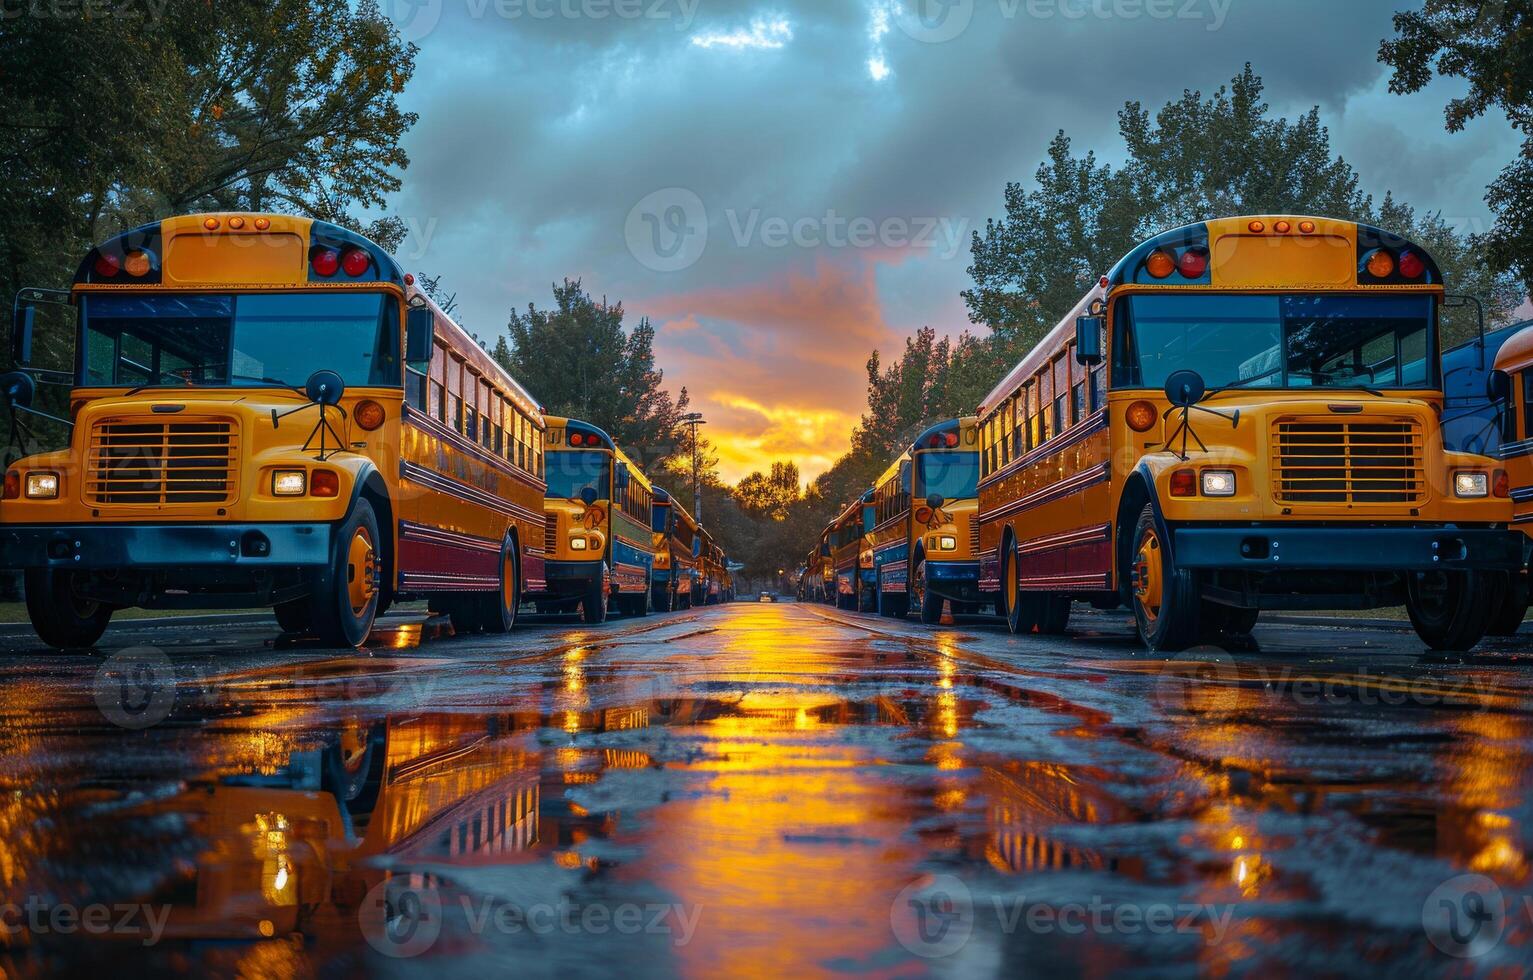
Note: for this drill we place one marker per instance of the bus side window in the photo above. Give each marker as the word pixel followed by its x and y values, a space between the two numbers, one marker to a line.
pixel 1045 404
pixel 1061 395
pixel 1527 403
pixel 1098 388
pixel 470 405
pixel 436 393
pixel 521 440
pixel 1077 385
pixel 1003 428
pixel 486 394
pixel 455 394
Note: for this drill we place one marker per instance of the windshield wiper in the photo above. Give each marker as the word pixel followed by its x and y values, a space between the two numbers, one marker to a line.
pixel 1243 382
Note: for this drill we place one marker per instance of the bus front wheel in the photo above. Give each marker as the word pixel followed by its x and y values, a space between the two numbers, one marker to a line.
pixel 60 616
pixel 1166 601
pixel 1450 610
pixel 344 597
pixel 1507 618
pixel 497 610
pixel 593 605
pixel 927 605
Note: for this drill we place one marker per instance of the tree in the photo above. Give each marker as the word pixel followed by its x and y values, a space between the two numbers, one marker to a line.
pixel 770 497
pixel 107 122
pixel 1197 159
pixel 1488 43
pixel 577 358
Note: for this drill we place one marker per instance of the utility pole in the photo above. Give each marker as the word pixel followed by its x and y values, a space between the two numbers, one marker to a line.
pixel 695 419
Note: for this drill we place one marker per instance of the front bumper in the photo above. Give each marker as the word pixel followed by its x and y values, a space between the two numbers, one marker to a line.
pixel 1283 548
pixel 181 546
pixel 571 576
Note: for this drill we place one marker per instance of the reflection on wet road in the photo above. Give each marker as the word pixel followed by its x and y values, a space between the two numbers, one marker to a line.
pixel 764 789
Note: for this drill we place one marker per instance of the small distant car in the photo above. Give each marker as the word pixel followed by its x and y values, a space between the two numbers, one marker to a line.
pixel 766 597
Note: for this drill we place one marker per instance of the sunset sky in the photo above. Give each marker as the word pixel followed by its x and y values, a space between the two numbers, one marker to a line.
pixel 782 187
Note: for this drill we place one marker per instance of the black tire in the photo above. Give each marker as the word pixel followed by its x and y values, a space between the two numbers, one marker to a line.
pixel 1165 596
pixel 663 599
pixel 593 604
pixel 1449 609
pixel 497 610
pixel 927 605
pixel 1012 606
pixel 344 598
pixel 61 618
pixel 1507 618
pixel 294 617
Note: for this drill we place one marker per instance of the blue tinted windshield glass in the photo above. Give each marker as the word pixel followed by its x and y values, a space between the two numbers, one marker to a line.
pixel 954 475
pixel 249 339
pixel 1276 341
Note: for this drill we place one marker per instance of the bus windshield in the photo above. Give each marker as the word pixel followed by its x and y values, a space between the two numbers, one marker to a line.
pixel 954 475
pixel 1276 341
pixel 573 471
pixel 198 339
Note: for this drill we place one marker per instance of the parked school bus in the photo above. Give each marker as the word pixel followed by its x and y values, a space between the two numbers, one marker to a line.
pixel 1243 414
pixel 1479 416
pixel 677 544
pixel 265 411
pixel 1512 386
pixel 599 508
pixel 924 525
pixel 851 555
pixel 812 581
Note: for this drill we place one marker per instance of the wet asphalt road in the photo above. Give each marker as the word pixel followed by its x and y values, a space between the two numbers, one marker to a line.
pixel 765 789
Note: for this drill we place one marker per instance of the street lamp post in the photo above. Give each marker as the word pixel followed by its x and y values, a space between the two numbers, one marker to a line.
pixel 695 419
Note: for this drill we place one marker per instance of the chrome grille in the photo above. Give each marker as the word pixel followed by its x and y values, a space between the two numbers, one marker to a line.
pixel 550 534
pixel 1354 461
pixel 148 462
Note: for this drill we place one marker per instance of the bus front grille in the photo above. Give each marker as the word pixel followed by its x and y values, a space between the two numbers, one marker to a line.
pixel 181 462
pixel 550 534
pixel 1357 461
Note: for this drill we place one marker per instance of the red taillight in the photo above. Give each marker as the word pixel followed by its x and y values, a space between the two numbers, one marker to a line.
pixel 1193 263
pixel 325 262
pixel 1500 486
pixel 107 266
pixel 12 484
pixel 1184 483
pixel 1411 266
pixel 355 262
pixel 952 439
pixel 325 483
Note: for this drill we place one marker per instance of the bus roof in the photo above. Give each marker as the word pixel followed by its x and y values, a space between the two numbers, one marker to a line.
pixel 464 345
pixel 1517 352
pixel 604 441
pixel 1239 253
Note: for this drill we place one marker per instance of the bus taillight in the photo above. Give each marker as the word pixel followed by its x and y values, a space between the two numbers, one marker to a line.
pixel 1159 264
pixel 355 262
pixel 107 266
pixel 1411 265
pixel 1193 263
pixel 325 261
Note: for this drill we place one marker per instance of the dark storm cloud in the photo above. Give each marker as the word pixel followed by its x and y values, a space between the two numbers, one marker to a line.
pixel 769 133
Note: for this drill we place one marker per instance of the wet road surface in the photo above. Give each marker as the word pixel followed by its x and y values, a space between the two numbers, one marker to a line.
pixel 764 789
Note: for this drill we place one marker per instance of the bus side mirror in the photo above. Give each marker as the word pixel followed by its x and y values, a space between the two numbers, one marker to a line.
pixel 420 334
pixel 1498 386
pixel 22 322
pixel 1088 339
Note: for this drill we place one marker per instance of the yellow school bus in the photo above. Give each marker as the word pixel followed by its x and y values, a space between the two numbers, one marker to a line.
pixel 600 549
pixel 677 547
pixel 710 585
pixel 812 581
pixel 1514 381
pixel 1243 414
pixel 924 529
pixel 265 411
pixel 851 555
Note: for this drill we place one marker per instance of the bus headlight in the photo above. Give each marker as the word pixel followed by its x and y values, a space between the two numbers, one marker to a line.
pixel 947 543
pixel 1218 483
pixel 578 544
pixel 1471 483
pixel 288 483
pixel 42 486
